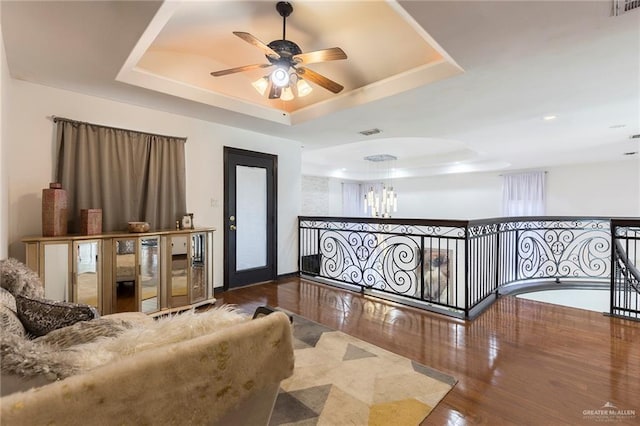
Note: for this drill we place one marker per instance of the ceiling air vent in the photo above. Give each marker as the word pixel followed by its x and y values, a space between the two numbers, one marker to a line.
pixel 624 6
pixel 370 132
pixel 380 157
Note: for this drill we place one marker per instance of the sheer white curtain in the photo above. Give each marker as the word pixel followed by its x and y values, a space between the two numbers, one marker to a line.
pixel 352 200
pixel 523 194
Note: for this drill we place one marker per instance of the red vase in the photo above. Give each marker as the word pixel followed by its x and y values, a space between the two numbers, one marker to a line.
pixel 54 211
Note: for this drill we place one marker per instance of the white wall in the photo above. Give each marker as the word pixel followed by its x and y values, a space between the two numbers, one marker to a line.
pixel 443 197
pixel 597 189
pixel 335 197
pixel 30 152
pixel 459 196
pixel 4 194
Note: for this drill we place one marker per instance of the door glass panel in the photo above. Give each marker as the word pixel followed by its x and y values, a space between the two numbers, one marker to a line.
pixel 56 271
pixel 251 217
pixel 149 275
pixel 179 266
pixel 87 272
pixel 125 273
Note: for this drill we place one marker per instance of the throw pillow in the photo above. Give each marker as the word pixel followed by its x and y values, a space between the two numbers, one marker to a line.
pixel 83 332
pixel 7 299
pixel 19 280
pixel 9 322
pixel 40 316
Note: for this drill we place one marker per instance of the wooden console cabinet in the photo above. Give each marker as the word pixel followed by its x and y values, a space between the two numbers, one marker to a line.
pixel 152 272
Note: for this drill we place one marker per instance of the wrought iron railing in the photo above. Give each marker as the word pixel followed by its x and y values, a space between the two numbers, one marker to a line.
pixel 452 266
pixel 625 259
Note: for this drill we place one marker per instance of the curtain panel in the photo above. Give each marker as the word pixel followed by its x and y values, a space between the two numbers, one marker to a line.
pixel 352 200
pixel 524 194
pixel 131 176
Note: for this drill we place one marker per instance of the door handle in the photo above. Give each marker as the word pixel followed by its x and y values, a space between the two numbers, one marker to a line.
pixel 232 227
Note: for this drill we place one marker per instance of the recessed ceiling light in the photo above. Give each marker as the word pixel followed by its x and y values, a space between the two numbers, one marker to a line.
pixel 344 169
pixel 617 126
pixel 549 117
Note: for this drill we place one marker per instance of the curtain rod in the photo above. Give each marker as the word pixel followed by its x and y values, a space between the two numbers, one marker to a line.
pixel 68 120
pixel 517 173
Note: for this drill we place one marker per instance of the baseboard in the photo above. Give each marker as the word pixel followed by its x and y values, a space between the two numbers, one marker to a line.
pixel 288 275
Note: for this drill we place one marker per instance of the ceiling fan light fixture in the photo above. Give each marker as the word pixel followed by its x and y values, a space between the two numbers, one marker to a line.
pixel 261 85
pixel 280 77
pixel 287 94
pixel 304 88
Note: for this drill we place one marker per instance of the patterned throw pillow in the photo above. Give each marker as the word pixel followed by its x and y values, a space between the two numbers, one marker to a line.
pixel 40 316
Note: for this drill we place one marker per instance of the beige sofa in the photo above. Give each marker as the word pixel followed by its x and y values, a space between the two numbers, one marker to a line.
pixel 206 374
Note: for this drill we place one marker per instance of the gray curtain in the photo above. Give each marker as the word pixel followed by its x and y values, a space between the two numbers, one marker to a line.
pixel 131 176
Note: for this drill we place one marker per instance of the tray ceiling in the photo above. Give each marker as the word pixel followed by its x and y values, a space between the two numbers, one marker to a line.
pixel 387 53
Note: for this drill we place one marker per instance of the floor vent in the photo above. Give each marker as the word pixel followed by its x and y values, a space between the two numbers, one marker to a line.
pixel 624 6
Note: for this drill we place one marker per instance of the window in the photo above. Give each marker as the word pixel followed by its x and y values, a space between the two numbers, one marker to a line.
pixel 131 176
pixel 523 194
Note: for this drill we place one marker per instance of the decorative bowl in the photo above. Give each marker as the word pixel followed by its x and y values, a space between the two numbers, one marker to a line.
pixel 138 226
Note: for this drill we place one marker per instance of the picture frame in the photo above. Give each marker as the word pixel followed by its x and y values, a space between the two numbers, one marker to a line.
pixel 438 275
pixel 187 221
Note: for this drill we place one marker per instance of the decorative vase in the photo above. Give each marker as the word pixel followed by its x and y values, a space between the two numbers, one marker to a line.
pixel 91 221
pixel 54 210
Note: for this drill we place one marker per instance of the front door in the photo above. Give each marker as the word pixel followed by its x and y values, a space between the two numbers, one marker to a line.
pixel 250 247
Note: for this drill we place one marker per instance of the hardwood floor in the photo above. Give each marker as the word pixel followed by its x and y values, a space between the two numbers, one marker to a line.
pixel 521 362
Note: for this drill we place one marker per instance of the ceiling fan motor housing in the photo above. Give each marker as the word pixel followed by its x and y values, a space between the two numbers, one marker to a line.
pixel 285 48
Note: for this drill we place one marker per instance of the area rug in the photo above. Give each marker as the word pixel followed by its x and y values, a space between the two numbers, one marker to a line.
pixel 341 380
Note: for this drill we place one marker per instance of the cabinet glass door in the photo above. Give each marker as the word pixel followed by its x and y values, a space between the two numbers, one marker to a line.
pixel 126 275
pixel 149 278
pixel 87 273
pixel 178 288
pixel 56 271
pixel 198 267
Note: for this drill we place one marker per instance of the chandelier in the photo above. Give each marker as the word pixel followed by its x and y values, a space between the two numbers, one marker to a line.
pixel 381 200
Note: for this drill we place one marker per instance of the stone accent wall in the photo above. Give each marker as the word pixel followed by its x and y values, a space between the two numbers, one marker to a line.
pixel 315 196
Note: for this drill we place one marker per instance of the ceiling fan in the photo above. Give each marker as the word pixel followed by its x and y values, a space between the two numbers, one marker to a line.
pixel 288 79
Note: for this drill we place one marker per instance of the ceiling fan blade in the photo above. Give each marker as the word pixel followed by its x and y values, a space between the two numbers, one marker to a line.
pixel 239 69
pixel 257 43
pixel 319 79
pixel 331 54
